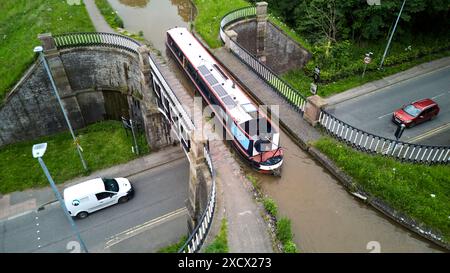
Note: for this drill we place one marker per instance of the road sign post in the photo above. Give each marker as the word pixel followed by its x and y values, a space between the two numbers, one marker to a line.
pixel 367 60
pixel 313 88
pixel 398 133
pixel 316 74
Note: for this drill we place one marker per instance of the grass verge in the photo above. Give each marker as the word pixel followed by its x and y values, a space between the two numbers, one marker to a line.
pixel 220 243
pixel 20 23
pixel 173 248
pixel 207 21
pixel 109 14
pixel 105 144
pixel 406 187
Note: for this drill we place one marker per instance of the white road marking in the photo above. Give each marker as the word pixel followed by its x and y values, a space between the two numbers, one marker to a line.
pixel 143 227
pixel 385 115
pixel 440 95
pixel 19 215
pixel 430 133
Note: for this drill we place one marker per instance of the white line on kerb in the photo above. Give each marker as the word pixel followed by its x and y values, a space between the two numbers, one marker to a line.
pixel 145 226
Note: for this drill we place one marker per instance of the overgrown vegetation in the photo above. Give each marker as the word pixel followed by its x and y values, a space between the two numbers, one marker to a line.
pixel 173 248
pixel 420 191
pixel 220 243
pixel 20 23
pixel 283 225
pixel 104 144
pixel 270 206
pixel 115 21
pixel 109 14
pixel 254 182
pixel 284 234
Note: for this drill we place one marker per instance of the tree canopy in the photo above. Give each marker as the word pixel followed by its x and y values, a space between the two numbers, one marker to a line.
pixel 355 20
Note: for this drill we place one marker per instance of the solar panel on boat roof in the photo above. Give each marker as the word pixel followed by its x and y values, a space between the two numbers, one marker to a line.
pixel 204 70
pixel 229 101
pixel 220 90
pixel 211 79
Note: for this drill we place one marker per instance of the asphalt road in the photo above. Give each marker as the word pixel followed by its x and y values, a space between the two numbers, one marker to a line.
pixel 373 112
pixel 154 218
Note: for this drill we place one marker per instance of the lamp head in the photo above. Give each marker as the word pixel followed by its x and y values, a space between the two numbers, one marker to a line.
pixel 39 150
pixel 38 49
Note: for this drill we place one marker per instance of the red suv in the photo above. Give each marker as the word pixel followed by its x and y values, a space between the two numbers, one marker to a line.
pixel 416 112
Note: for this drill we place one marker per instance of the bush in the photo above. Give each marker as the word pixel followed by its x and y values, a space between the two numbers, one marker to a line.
pixel 270 206
pixel 284 233
pixel 290 247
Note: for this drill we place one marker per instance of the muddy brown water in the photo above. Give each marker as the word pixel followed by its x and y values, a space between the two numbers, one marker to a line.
pixel 154 17
pixel 324 216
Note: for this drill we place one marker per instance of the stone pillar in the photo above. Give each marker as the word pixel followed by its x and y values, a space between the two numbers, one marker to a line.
pixel 157 129
pixel 56 65
pixel 231 35
pixel 261 30
pixel 312 109
pixel 199 182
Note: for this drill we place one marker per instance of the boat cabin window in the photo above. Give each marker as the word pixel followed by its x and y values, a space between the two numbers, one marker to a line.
pixel 257 127
pixel 263 145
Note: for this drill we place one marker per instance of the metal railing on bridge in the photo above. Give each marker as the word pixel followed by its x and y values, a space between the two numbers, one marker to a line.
pixel 103 39
pixel 198 236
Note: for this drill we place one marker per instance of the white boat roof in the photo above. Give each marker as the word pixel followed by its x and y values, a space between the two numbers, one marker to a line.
pixel 83 189
pixel 237 103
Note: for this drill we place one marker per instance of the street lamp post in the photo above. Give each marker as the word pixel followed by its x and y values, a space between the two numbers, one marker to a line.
pixel 40 50
pixel 38 152
pixel 392 34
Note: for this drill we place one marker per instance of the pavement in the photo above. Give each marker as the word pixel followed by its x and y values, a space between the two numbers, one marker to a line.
pixel 96 17
pixel 154 218
pixel 372 110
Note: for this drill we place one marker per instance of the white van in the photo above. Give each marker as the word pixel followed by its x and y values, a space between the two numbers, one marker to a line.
pixel 96 194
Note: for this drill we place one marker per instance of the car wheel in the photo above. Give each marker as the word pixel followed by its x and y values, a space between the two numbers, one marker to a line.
pixel 82 215
pixel 123 199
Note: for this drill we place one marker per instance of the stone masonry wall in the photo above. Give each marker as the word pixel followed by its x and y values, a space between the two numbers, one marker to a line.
pixel 283 54
pixel 31 110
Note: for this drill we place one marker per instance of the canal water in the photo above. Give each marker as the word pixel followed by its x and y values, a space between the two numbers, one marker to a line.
pixel 154 17
pixel 324 216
